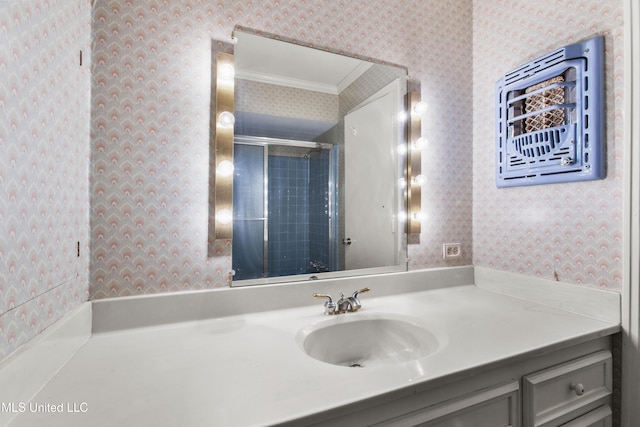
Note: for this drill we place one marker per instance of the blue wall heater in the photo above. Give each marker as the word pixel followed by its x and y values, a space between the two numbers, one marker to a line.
pixel 550 118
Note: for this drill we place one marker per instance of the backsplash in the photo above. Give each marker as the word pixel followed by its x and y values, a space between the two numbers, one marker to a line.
pixel 569 232
pixel 150 118
pixel 44 164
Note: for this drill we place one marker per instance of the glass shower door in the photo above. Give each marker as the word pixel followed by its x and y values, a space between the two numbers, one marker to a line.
pixel 284 219
pixel 249 219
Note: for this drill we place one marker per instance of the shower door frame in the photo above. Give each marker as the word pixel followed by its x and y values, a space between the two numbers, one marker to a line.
pixel 265 143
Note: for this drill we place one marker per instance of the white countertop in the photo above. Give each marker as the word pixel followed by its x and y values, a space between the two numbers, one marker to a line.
pixel 248 370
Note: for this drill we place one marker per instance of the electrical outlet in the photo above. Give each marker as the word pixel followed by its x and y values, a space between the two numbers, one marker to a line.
pixel 451 250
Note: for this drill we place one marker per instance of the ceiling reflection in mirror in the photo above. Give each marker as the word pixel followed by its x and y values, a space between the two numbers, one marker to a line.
pixel 317 163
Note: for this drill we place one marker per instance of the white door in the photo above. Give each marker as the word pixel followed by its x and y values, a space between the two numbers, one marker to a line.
pixel 371 141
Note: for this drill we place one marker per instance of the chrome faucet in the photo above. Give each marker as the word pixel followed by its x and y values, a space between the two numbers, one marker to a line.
pixel 344 305
pixel 329 305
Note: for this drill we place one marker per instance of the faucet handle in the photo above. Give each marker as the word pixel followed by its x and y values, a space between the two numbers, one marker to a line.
pixel 329 305
pixel 355 302
pixel 360 291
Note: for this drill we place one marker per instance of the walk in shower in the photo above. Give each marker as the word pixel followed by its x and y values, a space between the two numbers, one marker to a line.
pixel 284 208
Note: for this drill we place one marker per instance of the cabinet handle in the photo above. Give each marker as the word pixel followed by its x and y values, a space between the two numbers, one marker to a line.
pixel 578 388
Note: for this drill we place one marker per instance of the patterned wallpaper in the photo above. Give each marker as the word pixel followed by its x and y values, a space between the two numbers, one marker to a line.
pixel 150 124
pixel 569 232
pixel 150 76
pixel 265 98
pixel 44 164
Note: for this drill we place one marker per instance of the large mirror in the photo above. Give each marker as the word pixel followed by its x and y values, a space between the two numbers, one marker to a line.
pixel 318 162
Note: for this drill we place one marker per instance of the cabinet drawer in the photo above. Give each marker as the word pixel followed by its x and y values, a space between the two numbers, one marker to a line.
pixel 492 407
pixel 566 391
pixel 601 417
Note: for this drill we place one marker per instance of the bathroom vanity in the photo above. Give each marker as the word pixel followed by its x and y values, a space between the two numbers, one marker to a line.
pixel 569 383
pixel 482 359
pixel 569 387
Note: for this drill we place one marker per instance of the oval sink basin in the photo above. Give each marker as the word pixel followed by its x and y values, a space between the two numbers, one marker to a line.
pixel 364 340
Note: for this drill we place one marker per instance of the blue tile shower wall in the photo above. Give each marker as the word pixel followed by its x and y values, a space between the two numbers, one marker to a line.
pixel 288 200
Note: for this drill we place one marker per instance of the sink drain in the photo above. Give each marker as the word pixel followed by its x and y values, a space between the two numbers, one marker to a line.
pixel 356 365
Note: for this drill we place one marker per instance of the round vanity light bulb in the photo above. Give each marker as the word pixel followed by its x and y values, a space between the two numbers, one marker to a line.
pixel 420 180
pixel 225 168
pixel 226 72
pixel 224 216
pixel 226 119
pixel 420 143
pixel 419 216
pixel 420 107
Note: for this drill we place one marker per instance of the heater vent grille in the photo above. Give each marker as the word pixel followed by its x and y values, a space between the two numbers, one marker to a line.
pixel 549 118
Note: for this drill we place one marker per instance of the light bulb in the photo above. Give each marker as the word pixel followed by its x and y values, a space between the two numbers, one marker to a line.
pixel 420 143
pixel 225 168
pixel 418 216
pixel 224 216
pixel 226 119
pixel 226 72
pixel 420 107
pixel 420 180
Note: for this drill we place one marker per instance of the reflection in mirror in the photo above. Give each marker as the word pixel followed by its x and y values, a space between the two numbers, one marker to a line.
pixel 317 164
